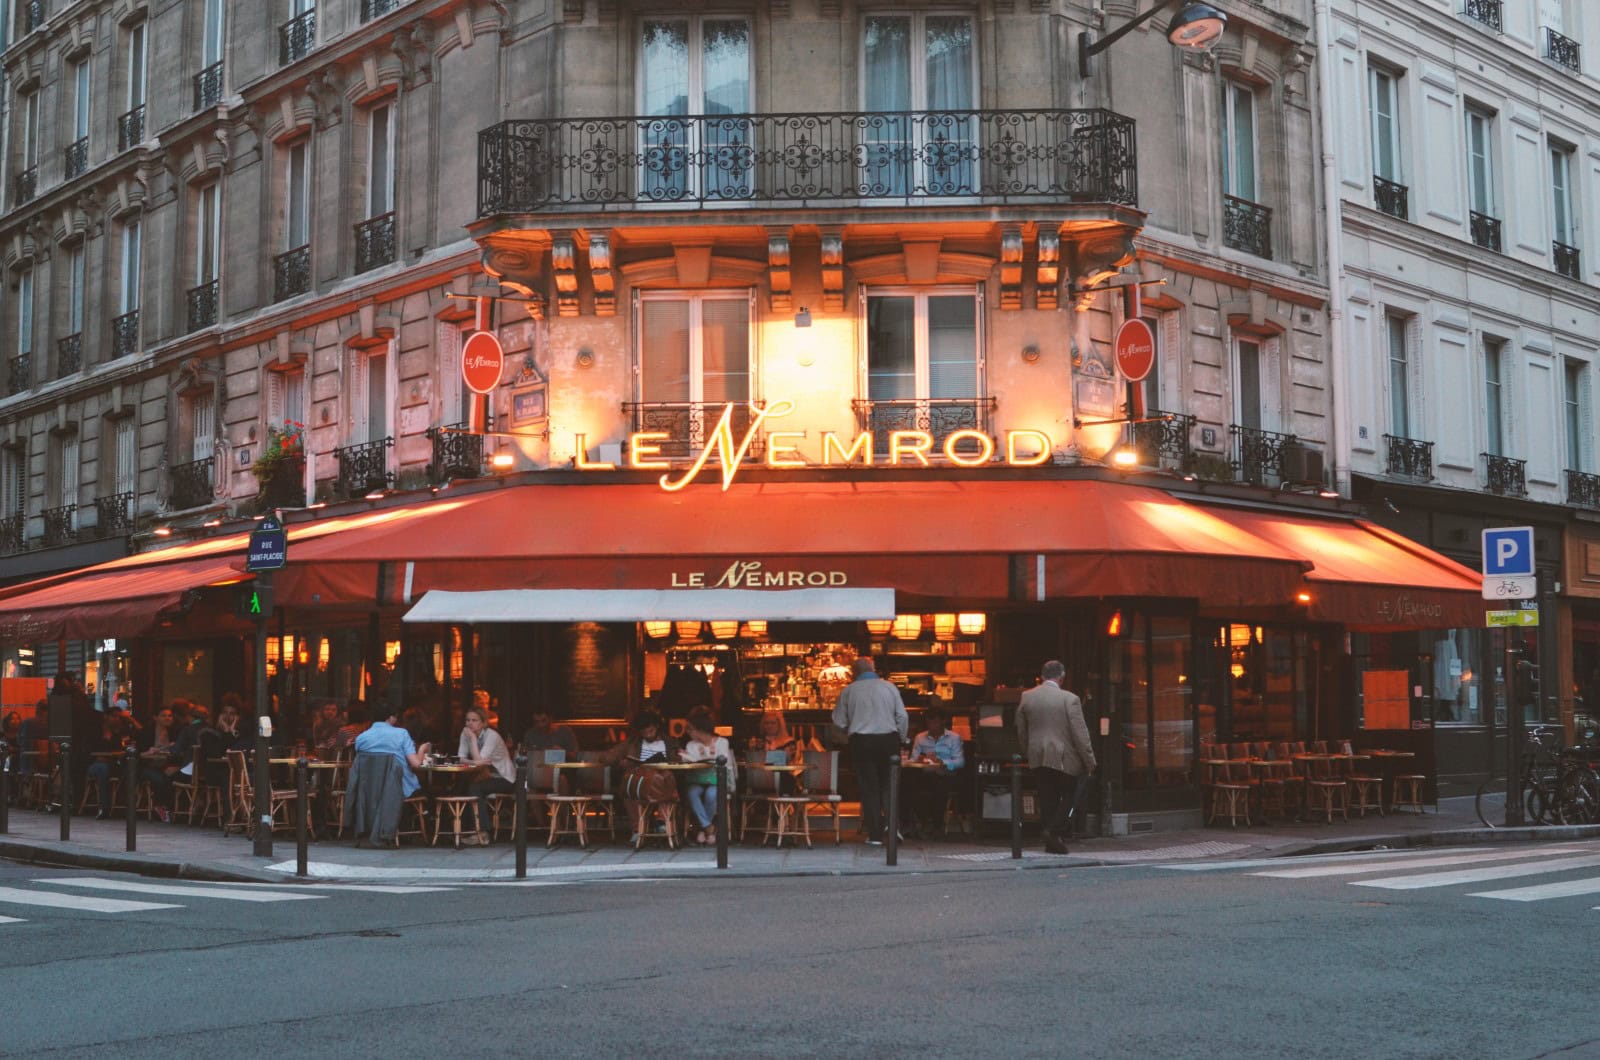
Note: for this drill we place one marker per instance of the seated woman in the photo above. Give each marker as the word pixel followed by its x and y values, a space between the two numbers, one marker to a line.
pixel 482 746
pixel 217 739
pixel 648 742
pixel 705 746
pixel 774 736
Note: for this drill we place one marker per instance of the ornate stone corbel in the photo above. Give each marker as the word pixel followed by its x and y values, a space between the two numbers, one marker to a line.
pixel 832 269
pixel 1011 267
pixel 1047 279
pixel 563 262
pixel 600 274
pixel 326 99
pixel 413 46
pixel 779 278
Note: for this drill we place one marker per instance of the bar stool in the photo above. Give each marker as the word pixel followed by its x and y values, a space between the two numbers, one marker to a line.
pixel 455 805
pixel 569 815
pixel 1366 793
pixel 1408 791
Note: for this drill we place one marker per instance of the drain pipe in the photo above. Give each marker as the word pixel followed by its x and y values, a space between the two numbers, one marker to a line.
pixel 1338 359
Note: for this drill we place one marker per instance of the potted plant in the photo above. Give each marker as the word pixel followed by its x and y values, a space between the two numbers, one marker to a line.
pixel 281 468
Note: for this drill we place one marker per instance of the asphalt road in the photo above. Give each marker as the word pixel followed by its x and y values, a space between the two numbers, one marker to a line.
pixel 1119 962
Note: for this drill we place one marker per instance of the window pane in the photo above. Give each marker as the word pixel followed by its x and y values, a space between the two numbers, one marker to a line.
pixel 213 33
pixel 136 66
pixel 891 347
pixel 127 457
pixel 294 396
pixel 75 291
pixel 1244 142
pixel 725 350
pixel 25 313
pixel 202 426
pixel 1561 196
pixel 377 397
pixel 949 62
pixel 1250 385
pixel 952 346
pixel 1491 397
pixel 1574 416
pixel 887 51
pixel 380 174
pixel 1399 380
pixel 1383 125
pixel 666 67
pixel 81 115
pixel 726 60
pixel 1478 163
pixel 664 350
pixel 130 268
pixel 1170 690
pixel 298 232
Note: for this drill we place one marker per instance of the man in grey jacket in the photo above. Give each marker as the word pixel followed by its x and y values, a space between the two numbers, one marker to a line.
pixel 1050 728
pixel 873 715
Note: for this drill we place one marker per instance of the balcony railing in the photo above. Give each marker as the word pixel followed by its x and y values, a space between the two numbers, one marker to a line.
pixel 1485 231
pixel 364 468
pixel 375 242
pixel 76 158
pixel 208 87
pixel 457 454
pixel 203 306
pixel 1247 226
pixel 291 273
pixel 940 417
pixel 284 485
pixel 69 354
pixel 125 334
pixel 32 15
pixel 20 374
pixel 1409 457
pixel 26 185
pixel 297 37
pixel 1561 50
pixel 1258 454
pixel 1583 489
pixel 192 484
pixel 13 534
pixel 1391 197
pixel 1484 11
pixel 1505 476
pixel 1568 261
pixel 60 525
pixel 113 514
pixel 130 128
pixel 1162 440
pixel 595 164
pixel 371 9
pixel 686 424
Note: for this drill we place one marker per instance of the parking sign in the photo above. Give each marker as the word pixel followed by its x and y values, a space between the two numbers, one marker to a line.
pixel 1508 552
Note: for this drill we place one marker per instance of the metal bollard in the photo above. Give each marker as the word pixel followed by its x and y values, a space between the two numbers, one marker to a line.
pixel 64 789
pixel 722 811
pixel 1016 806
pixel 519 823
pixel 130 796
pixel 891 838
pixel 5 787
pixel 302 802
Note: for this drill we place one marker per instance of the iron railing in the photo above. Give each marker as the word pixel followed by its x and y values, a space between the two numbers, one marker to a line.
pixel 291 273
pixel 284 486
pixel 456 454
pixel 60 525
pixel 13 534
pixel 130 128
pixel 192 483
pixel 1505 476
pixel 1409 457
pixel 940 417
pixel 1561 50
pixel 591 164
pixel 1258 454
pixel 687 423
pixel 1391 197
pixel 1485 11
pixel 76 158
pixel 375 242
pixel 32 15
pixel 371 9
pixel 1583 488
pixel 297 37
pixel 113 514
pixel 1485 231
pixel 203 305
pixel 364 468
pixel 69 354
pixel 208 86
pixel 27 183
pixel 19 376
pixel 125 334
pixel 1247 226
pixel 1162 439
pixel 1568 261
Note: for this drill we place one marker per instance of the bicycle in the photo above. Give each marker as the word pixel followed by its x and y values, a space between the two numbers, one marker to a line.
pixel 1558 787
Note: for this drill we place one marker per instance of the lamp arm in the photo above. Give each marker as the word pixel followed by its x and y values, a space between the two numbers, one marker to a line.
pixel 1088 47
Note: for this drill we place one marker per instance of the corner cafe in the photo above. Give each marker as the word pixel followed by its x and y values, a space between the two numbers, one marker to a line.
pixel 1185 616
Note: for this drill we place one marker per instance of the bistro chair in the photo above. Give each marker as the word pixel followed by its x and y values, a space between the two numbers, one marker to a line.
pixel 454 806
pixel 279 800
pixel 1226 795
pixel 602 800
pixel 39 775
pixel 1408 791
pixel 1366 793
pixel 1326 791
pixel 569 815
pixel 822 786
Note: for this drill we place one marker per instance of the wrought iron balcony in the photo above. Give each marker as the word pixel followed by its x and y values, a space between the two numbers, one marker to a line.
pixel 125 334
pixel 375 242
pixel 457 454
pixel 1247 226
pixel 1485 11
pixel 597 164
pixel 20 376
pixel 32 15
pixel 284 486
pixel 686 424
pixel 1505 476
pixel 26 185
pixel 1561 50
pixel 940 417
pixel 297 37
pixel 291 273
pixel 60 525
pixel 69 354
pixel 1391 197
pixel 113 514
pixel 1162 440
pixel 130 128
pixel 364 468
pixel 208 87
pixel 1486 231
pixel 371 9
pixel 203 306
pixel 1258 454
pixel 1568 261
pixel 192 484
pixel 1409 457
pixel 76 158
pixel 1583 489
pixel 13 534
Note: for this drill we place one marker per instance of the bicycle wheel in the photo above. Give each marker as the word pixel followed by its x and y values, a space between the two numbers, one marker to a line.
pixel 1538 802
pixel 1578 800
pixel 1491 802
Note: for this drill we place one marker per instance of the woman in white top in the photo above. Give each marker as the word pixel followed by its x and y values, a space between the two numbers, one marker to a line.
pixel 482 746
pixel 705 746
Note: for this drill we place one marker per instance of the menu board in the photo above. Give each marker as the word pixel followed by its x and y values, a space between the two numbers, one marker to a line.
pixel 1386 699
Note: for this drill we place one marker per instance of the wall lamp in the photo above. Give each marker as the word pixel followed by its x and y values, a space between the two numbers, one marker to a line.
pixel 1195 28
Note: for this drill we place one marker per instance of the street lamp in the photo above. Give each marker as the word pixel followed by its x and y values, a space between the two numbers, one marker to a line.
pixel 1195 28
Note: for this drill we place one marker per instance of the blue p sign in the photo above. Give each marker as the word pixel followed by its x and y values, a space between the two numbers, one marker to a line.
pixel 1508 552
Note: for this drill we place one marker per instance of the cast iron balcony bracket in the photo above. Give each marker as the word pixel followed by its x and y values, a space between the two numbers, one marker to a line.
pixel 1583 489
pixel 76 159
pixel 375 242
pixel 456 454
pixel 364 467
pixel 113 514
pixel 1391 197
pixel 1163 439
pixel 297 37
pixel 19 377
pixel 69 354
pixel 60 525
pixel 1567 260
pixel 125 334
pixel 1561 50
pixel 1505 476
pixel 371 9
pixel 1409 457
pixel 291 273
pixel 130 129
pixel 1485 231
pixel 940 417
pixel 208 87
pixel 1258 454
pixel 13 534
pixel 1485 12
pixel 203 305
pixel 192 484
pixel 1247 226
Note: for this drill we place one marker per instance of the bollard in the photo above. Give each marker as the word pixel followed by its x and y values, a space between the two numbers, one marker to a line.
pixel 1016 806
pixel 130 795
pixel 302 802
pixel 64 789
pixel 891 838
pixel 519 823
pixel 722 811
pixel 5 787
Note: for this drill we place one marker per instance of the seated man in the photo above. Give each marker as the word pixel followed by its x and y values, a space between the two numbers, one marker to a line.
pixel 545 735
pixel 382 778
pixel 930 788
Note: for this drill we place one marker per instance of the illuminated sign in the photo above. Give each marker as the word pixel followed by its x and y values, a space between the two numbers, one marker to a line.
pixel 752 574
pixel 965 448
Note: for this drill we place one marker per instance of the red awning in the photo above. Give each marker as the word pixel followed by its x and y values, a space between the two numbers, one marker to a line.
pixel 110 603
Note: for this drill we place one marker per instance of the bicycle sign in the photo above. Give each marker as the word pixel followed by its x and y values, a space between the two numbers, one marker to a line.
pixel 1510 588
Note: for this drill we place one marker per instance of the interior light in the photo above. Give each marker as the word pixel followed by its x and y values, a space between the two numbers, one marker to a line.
pixel 880 627
pixel 1237 669
pixel 906 627
pixel 1114 626
pixel 688 630
pixel 391 652
pixel 323 654
pixel 272 651
pixel 1238 636
pixel 1303 597
pixel 756 627
pixel 972 623
pixel 1124 456
pixel 723 629
pixel 212 522
pixel 376 495
pixel 657 628
pixel 504 460
pixel 944 626
pixel 163 531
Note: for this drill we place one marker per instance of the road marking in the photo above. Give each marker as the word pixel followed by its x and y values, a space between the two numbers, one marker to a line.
pixel 1256 863
pixel 178 890
pixel 370 888
pixel 11 920
pixel 15 896
pixel 1495 872
pixel 1351 869
pixel 1539 892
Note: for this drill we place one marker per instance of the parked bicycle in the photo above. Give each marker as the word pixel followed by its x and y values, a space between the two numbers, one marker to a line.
pixel 1559 786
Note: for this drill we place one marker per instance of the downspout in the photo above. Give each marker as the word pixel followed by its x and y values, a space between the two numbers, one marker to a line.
pixel 1338 361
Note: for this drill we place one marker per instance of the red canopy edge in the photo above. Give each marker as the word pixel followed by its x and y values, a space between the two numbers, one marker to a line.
pixel 114 603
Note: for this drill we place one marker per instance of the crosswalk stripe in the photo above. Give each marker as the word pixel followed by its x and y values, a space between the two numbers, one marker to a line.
pixel 1385 864
pixel 1320 859
pixel 82 903
pixel 368 888
pixel 11 920
pixel 1493 872
pixel 179 890
pixel 1540 892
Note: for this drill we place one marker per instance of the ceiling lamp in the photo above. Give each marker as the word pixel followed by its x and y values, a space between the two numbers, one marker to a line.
pixel 657 628
pixel 288 649
pixel 323 653
pixel 687 630
pixel 944 627
pixel 756 627
pixel 972 623
pixel 880 627
pixel 906 627
pixel 1238 636
pixel 724 629
pixel 391 652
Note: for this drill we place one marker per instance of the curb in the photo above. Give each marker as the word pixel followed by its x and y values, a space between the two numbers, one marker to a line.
pixel 1446 837
pixel 118 861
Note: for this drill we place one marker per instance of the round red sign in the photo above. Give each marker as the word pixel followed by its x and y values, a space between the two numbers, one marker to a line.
pixel 1136 349
pixel 482 360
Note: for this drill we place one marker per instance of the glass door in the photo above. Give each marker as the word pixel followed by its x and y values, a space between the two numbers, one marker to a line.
pixel 918 88
pixel 695 138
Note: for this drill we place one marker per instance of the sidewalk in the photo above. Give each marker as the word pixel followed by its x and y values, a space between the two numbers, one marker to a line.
pixel 204 854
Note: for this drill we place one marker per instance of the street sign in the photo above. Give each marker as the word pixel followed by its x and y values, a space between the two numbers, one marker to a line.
pixel 269 547
pixel 482 361
pixel 1508 552
pixel 1525 617
pixel 1136 349
pixel 1511 588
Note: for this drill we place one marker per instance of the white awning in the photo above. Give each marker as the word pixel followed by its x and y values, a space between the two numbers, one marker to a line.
pixel 637 605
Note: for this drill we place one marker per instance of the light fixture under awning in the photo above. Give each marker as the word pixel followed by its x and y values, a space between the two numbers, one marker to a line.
pixel 638 605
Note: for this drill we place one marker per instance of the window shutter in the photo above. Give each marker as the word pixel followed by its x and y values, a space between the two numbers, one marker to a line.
pixel 127 457
pixel 203 409
pixel 275 413
pixel 69 469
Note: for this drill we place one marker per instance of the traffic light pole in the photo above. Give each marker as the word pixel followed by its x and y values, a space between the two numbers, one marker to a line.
pixel 263 764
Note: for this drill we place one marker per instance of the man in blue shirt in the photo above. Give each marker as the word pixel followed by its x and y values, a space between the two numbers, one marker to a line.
pixel 939 753
pixel 385 737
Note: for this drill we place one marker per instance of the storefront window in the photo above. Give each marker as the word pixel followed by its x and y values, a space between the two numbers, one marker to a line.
pixel 1457 676
pixel 1152 686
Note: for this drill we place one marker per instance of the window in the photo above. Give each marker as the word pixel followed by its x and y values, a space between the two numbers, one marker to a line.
pixel 129 293
pixel 286 397
pixel 1239 141
pixel 136 65
pixel 25 312
pixel 1385 92
pixel 13 484
pixel 695 349
pixel 1576 416
pixel 1248 389
pixel 921 63
pixel 202 425
pixel 297 181
pixel 80 103
pixel 126 456
pixel 30 130
pixel 1399 375
pixel 67 472
pixel 455 400
pixel 380 162
pixel 372 396
pixel 211 41
pixel 1151 384
pixel 75 262
pixel 1564 224
pixel 923 369
pixel 1493 398
pixel 1480 162
pixel 208 221
pixel 695 67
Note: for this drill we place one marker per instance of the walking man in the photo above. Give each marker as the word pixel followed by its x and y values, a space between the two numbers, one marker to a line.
pixel 873 715
pixel 1050 728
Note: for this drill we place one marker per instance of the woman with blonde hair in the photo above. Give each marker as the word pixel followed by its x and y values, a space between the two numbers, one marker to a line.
pixel 481 746
pixel 774 736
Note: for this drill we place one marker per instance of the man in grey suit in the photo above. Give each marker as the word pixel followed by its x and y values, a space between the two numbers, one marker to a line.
pixel 1050 729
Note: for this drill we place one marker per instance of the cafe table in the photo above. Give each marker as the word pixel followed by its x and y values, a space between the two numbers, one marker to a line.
pixel 1388 762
